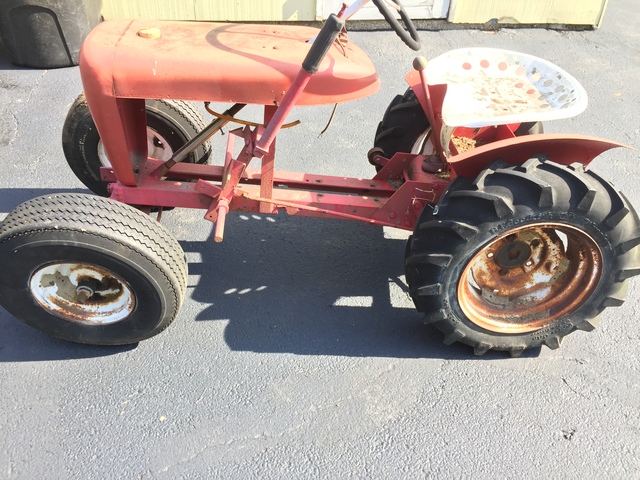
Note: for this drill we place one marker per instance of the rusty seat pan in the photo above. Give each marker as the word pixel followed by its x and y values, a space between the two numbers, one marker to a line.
pixel 219 62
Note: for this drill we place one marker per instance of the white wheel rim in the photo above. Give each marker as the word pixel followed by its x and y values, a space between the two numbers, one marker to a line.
pixel 424 144
pixel 82 293
pixel 157 147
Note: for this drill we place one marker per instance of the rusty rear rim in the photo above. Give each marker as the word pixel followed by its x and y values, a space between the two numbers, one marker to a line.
pixel 529 277
pixel 82 293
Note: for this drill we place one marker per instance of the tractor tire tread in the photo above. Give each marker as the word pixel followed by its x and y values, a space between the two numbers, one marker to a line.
pixel 102 217
pixel 467 209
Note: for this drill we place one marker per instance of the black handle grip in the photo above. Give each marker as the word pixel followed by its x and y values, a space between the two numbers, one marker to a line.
pixel 322 43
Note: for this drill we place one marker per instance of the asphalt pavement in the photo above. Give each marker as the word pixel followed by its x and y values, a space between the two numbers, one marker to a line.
pixel 297 352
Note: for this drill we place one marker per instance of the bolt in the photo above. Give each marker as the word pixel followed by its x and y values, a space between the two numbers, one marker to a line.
pixel 84 293
pixel 392 215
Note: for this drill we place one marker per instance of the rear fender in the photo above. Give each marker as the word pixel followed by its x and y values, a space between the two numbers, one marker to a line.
pixel 559 148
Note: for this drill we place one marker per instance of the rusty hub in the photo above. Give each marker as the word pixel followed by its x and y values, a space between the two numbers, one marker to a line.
pixel 528 277
pixel 82 293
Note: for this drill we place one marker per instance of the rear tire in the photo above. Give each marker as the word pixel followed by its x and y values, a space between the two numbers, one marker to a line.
pixel 90 270
pixel 170 124
pixel 523 256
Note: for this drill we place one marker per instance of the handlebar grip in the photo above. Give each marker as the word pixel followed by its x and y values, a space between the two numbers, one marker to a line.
pixel 322 43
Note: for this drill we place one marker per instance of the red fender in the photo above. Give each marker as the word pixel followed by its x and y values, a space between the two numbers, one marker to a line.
pixel 559 148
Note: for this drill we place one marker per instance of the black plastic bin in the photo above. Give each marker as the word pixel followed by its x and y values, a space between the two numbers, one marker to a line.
pixel 47 33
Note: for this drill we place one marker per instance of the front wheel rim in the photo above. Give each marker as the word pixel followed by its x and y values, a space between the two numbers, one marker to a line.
pixel 529 277
pixel 157 147
pixel 82 293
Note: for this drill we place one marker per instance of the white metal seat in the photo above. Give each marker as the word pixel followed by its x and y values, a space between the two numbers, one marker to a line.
pixel 488 86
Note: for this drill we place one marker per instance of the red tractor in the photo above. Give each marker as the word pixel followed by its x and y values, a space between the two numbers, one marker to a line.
pixel 515 244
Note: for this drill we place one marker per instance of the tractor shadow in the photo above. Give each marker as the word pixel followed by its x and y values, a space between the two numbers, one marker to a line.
pixel 313 287
pixel 21 343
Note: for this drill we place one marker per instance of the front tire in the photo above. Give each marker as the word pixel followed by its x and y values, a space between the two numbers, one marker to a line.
pixel 90 270
pixel 523 256
pixel 170 124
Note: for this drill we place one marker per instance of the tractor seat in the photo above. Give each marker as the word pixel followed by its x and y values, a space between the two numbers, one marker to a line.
pixel 219 62
pixel 487 86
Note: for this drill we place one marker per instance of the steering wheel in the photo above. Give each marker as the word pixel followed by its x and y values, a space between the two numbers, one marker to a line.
pixel 408 35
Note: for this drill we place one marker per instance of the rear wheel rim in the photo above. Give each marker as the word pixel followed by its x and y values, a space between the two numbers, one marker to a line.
pixel 529 277
pixel 423 145
pixel 82 293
